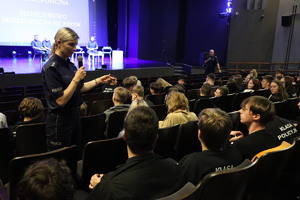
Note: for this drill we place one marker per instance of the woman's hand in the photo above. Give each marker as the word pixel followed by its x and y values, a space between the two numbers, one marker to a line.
pixel 80 74
pixel 95 179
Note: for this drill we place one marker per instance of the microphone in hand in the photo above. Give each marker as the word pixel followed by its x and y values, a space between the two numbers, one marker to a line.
pixel 80 61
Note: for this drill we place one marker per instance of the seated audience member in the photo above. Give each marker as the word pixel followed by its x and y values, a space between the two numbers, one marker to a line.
pixel 111 85
pixel 214 127
pixel 31 109
pixel 256 112
pixel 205 91
pixel 3 121
pixel 289 87
pixel 83 109
pixel 165 85
pixel 252 85
pixel 128 84
pixel 178 110
pixel 278 92
pixel 144 175
pixel 221 91
pixel 119 96
pixel 138 93
pixel 238 78
pixel 181 82
pixel 155 88
pixel 232 87
pixel 266 81
pixel 253 73
pixel 37 47
pixel 247 79
pixel 138 82
pixel 279 73
pixel 210 79
pixel 176 88
pixel 47 180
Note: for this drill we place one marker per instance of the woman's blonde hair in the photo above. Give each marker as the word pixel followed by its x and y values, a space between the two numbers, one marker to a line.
pixel 64 34
pixel 177 101
pixel 163 82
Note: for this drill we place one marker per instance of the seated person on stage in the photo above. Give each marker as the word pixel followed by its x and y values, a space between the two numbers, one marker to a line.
pixel 92 46
pixel 221 91
pixel 138 93
pixel 178 110
pixel 144 175
pixel 3 121
pixel 46 43
pixel 38 48
pixel 205 91
pixel 118 98
pixel 111 85
pixel 31 109
pixel 256 112
pixel 46 179
pixel 213 132
pixel 155 88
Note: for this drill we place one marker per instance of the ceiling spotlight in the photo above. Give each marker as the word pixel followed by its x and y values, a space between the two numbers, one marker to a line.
pixel 14 53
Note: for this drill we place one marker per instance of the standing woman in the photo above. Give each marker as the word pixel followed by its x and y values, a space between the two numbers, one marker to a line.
pixel 63 85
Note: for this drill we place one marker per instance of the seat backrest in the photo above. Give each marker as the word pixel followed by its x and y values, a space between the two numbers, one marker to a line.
pixel 12 117
pixel 225 102
pixel 91 97
pixel 157 99
pixel 229 184
pixel 204 103
pixel 239 98
pixel 187 140
pixel 31 139
pixel 183 192
pixel 193 93
pixel 260 92
pixel 99 106
pixel 279 107
pixel 6 153
pixel 166 141
pixel 106 50
pixel 290 108
pixel 18 165
pixel 115 123
pixel 93 128
pixel 160 110
pixel 102 156
pixel 235 119
pixel 9 105
pixel 14 97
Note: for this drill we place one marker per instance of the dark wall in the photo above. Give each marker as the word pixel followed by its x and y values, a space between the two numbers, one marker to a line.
pixel 205 29
pixel 251 35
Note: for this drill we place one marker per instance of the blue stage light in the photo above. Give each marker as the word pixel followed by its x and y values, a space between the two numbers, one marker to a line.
pixel 14 53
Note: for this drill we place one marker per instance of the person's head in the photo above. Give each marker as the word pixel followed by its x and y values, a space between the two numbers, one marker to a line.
pixel 211 52
pixel 137 103
pixel 279 72
pixel 92 38
pixel 276 86
pixel 221 91
pixel 238 78
pixel 266 81
pixel 287 82
pixel 176 88
pixel 119 96
pixel 205 90
pixel 210 78
pixel 36 37
pixel 214 127
pixel 163 82
pixel 177 101
pixel 31 108
pixel 48 179
pixel 253 73
pixel 232 86
pixel 253 84
pixel 155 88
pixel 256 109
pixel 113 81
pixel 141 128
pixel 128 83
pixel 248 78
pixel 65 42
pixel 181 81
pixel 83 109
pixel 137 92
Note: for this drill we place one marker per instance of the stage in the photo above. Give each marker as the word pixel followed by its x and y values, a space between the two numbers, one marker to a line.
pixel 27 71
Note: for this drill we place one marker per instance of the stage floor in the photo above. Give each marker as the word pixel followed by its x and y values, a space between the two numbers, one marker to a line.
pixel 25 65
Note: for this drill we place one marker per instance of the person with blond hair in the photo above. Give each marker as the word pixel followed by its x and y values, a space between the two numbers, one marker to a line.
pixel 178 110
pixel 64 85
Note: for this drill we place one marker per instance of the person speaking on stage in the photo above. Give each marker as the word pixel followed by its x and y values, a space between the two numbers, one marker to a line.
pixel 63 85
pixel 211 63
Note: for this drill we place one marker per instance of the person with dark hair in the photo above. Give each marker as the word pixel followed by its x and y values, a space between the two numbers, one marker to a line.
pixel 214 127
pixel 266 81
pixel 178 110
pixel 255 113
pixel 110 85
pixel 129 83
pixel 210 79
pixel 155 88
pixel 279 73
pixel 238 78
pixel 138 93
pixel 119 96
pixel 232 87
pixel 288 86
pixel 252 85
pixel 48 179
pixel 221 91
pixel 176 88
pixel 211 62
pixel 278 92
pixel 31 109
pixel 144 175
pixel 205 91
pixel 64 84
pixel 181 82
